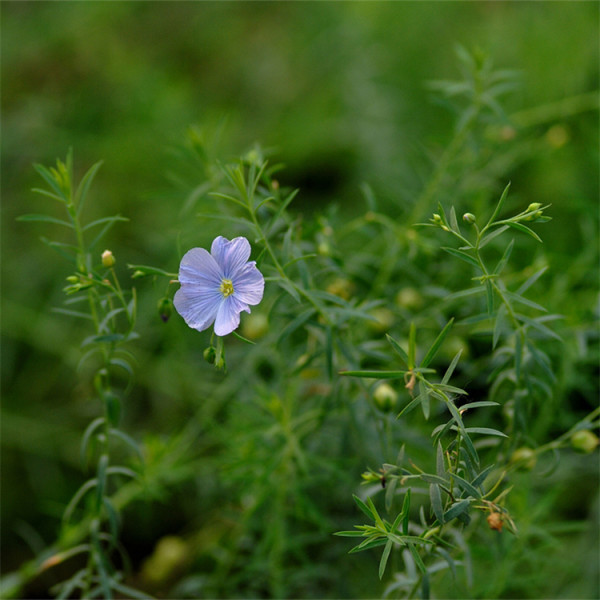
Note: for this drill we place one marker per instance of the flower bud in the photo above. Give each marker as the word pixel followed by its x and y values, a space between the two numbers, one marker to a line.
pixel 72 279
pixel 210 354
pixel 523 458
pixel 165 308
pixel 469 218
pixel 409 298
pixel 255 325
pixel 533 206
pixel 584 441
pixel 437 219
pixel 385 397
pixel 495 521
pixel 108 260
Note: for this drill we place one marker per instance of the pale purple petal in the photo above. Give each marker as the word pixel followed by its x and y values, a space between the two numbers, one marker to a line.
pixel 249 284
pixel 198 310
pixel 198 266
pixel 230 255
pixel 228 315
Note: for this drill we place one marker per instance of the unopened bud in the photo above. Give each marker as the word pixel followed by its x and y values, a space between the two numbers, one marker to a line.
pixel 437 219
pixel 533 206
pixel 524 458
pixel 165 308
pixel 108 260
pixel 495 521
pixel 385 397
pixel 72 279
pixel 469 218
pixel 210 354
pixel 584 441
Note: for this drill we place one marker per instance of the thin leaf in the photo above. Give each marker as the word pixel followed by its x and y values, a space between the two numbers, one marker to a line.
pixel 499 205
pixel 112 220
pixel 384 558
pixel 530 281
pixel 363 507
pixel 84 186
pixel 462 255
pixel 485 431
pixel 524 229
pixel 436 345
pixel 451 368
pixel 44 219
pixel 412 346
pixel 436 502
pixel 505 257
pixel 396 346
pixel 456 510
pixel 375 374
pixel 295 324
pixel 486 239
pixel 90 429
pixel 466 486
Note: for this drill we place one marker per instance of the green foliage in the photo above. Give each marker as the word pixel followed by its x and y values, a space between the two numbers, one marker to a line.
pixel 441 375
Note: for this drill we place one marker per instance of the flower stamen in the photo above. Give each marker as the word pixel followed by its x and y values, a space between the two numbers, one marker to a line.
pixel 226 287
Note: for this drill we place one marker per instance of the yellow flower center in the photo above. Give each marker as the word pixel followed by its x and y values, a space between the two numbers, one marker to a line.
pixel 226 287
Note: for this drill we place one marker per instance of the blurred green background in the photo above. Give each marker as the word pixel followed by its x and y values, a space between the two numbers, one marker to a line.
pixel 337 90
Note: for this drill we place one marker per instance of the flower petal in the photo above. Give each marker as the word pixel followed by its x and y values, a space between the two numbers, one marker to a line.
pixel 198 310
pixel 230 255
pixel 198 266
pixel 228 315
pixel 249 284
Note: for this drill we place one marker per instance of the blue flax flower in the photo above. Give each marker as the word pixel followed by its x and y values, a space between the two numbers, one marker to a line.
pixel 216 287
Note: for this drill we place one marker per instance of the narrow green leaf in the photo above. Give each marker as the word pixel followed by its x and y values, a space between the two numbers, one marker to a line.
pixel 375 374
pixel 525 301
pixel 430 478
pixel 378 519
pixel 112 220
pixel 384 558
pixel 368 544
pixel 87 435
pixel 49 194
pixel 486 239
pixel 524 229
pixel 412 346
pixel 146 270
pixel 489 296
pixel 485 431
pixel 440 464
pixel 117 433
pixel 406 511
pixel 81 492
pixel 289 288
pixel 349 533
pixel 462 255
pixel 101 479
pixel 456 509
pixel 451 368
pixel 501 325
pixel 415 554
pixel 295 324
pixel 466 486
pixel 84 186
pixel 44 219
pixel 499 205
pixel 530 281
pixel 363 507
pixel 436 345
pixel 50 180
pixel 453 220
pixel 436 502
pixel 505 257
pixel 478 404
pixel 412 404
pixel 399 350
